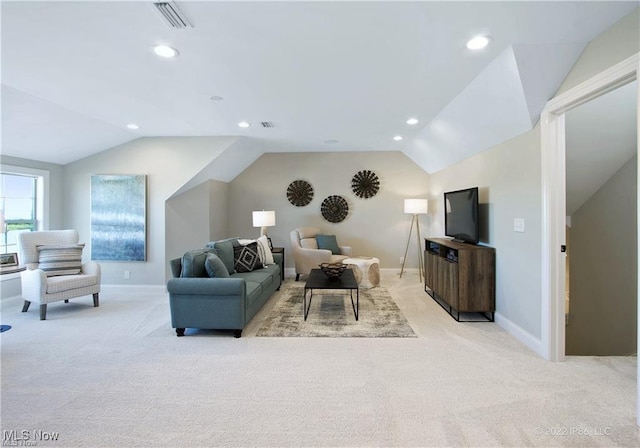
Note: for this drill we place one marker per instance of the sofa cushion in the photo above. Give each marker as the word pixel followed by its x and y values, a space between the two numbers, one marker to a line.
pixel 215 267
pixel 309 243
pixel 328 242
pixel 193 263
pixel 224 250
pixel 262 276
pixel 68 282
pixel 60 259
pixel 247 258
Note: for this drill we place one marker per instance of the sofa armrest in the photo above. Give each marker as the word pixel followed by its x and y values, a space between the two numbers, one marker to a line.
pixel 207 286
pixel 345 250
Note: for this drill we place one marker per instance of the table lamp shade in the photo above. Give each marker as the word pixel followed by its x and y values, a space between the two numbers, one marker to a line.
pixel 264 219
pixel 416 206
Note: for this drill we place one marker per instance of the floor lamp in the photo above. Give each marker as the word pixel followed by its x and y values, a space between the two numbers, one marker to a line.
pixel 415 207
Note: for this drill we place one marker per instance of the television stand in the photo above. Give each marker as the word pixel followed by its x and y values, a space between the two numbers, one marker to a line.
pixel 460 278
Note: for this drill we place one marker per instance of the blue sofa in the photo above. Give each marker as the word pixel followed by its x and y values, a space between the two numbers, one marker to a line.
pixel 199 301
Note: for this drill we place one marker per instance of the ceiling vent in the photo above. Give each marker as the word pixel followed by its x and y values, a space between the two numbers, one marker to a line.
pixel 266 124
pixel 172 15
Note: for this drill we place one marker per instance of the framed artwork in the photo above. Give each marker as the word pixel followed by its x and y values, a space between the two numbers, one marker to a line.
pixel 118 217
pixel 8 260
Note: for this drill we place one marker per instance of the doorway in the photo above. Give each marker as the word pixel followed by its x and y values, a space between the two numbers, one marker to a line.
pixel 554 199
pixel 601 225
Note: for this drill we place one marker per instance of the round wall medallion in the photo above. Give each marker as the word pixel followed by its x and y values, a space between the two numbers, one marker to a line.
pixel 365 184
pixel 300 193
pixel 334 208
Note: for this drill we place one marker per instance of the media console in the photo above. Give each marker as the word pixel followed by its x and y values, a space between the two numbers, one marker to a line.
pixel 460 277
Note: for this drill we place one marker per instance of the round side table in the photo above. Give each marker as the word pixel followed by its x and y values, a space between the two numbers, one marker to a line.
pixel 366 270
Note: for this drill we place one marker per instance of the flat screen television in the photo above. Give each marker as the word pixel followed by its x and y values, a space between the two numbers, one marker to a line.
pixel 461 215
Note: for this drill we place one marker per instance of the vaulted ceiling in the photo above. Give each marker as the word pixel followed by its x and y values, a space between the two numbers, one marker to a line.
pixel 328 76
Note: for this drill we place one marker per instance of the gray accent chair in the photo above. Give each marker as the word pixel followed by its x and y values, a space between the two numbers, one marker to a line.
pixel 38 288
pixel 306 254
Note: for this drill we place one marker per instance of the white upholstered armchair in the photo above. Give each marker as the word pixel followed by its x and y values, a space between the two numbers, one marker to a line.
pixel 54 269
pixel 306 254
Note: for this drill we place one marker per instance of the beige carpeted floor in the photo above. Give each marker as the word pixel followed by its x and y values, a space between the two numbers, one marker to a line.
pixel 117 376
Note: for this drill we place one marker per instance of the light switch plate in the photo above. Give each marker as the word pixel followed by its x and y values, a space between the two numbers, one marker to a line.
pixel 518 225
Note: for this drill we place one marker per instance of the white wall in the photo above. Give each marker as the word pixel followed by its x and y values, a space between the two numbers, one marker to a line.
pixel 508 177
pixel 376 226
pixel 168 163
pixel 196 217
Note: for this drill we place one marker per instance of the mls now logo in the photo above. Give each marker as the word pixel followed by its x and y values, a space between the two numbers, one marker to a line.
pixel 25 437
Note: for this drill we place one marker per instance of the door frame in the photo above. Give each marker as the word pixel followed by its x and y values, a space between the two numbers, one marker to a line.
pixel 554 199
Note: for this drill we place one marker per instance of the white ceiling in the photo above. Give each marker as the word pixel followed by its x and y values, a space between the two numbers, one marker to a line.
pixel 75 73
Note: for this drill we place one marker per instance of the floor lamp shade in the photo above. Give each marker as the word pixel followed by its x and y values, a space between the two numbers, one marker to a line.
pixel 264 219
pixel 416 206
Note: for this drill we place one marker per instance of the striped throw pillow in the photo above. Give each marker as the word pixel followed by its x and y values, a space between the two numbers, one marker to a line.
pixel 60 259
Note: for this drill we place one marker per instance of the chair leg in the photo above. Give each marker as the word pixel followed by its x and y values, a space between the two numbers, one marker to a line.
pixel 237 333
pixel 25 306
pixel 43 311
pixel 96 301
pixel 297 277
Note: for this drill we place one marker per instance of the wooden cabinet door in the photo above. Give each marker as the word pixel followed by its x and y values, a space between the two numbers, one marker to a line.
pixel 448 282
pixel 430 269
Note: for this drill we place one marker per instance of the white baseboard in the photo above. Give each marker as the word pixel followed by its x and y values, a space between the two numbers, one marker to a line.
pixel 520 334
pixel 133 289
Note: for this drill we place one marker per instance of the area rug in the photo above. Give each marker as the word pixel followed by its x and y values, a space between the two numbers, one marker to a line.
pixel 331 316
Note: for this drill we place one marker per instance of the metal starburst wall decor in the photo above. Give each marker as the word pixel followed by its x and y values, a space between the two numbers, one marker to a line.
pixel 365 184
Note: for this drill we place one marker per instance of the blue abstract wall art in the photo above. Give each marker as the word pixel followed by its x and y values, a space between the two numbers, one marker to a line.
pixel 118 217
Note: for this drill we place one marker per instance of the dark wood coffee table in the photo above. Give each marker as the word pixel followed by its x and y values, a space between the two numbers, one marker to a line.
pixel 317 280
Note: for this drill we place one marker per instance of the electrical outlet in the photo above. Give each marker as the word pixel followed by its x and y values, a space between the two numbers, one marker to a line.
pixel 127 275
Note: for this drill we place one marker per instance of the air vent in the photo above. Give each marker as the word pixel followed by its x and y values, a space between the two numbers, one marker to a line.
pixel 172 15
pixel 266 124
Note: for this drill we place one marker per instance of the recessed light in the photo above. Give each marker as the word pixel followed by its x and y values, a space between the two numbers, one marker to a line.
pixel 398 138
pixel 478 42
pixel 331 141
pixel 412 121
pixel 165 51
pixel 244 124
pixel 133 126
pixel 216 98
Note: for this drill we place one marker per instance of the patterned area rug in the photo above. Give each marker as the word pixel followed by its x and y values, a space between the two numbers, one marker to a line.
pixel 331 316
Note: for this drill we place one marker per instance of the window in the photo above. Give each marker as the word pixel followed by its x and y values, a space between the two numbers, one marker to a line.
pixel 22 204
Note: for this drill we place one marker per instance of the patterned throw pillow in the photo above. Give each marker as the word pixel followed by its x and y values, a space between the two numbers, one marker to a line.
pixel 60 259
pixel 246 258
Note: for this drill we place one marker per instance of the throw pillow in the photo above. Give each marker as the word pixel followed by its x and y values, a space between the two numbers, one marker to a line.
pixel 263 247
pixel 215 267
pixel 224 250
pixel 246 258
pixel 60 259
pixel 193 263
pixel 328 242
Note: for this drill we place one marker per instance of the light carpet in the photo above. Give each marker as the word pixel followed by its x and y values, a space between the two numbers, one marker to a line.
pixel 331 315
pixel 117 376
